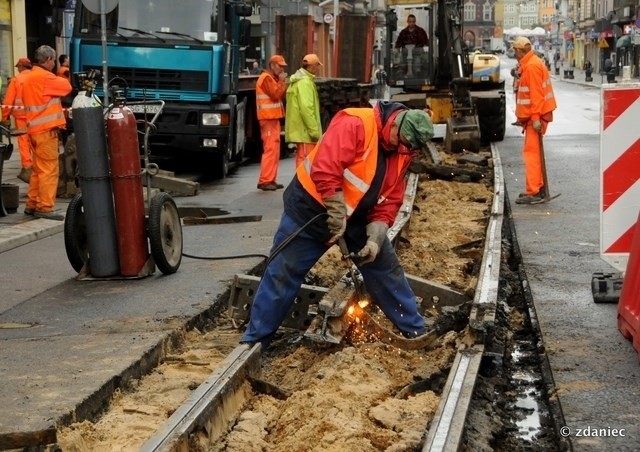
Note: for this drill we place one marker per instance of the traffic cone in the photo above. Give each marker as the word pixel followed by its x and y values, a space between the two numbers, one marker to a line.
pixel 629 304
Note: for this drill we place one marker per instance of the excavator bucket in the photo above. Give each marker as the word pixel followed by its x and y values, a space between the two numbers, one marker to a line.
pixel 463 134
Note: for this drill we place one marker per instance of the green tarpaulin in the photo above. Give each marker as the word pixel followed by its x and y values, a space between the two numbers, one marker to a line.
pixel 623 41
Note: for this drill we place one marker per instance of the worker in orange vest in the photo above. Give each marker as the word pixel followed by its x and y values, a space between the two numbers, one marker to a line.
pixel 270 90
pixel 350 186
pixel 63 67
pixel 41 93
pixel 535 103
pixel 13 106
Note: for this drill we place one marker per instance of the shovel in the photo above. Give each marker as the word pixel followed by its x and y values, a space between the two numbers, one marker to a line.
pixel 545 180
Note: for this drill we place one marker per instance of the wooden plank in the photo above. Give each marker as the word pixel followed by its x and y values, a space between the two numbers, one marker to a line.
pixel 173 184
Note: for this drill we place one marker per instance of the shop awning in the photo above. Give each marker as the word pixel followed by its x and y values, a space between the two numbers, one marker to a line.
pixel 623 41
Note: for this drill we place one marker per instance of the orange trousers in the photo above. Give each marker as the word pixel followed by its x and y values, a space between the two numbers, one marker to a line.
pixel 532 161
pixel 24 143
pixel 302 150
pixel 270 134
pixel 44 179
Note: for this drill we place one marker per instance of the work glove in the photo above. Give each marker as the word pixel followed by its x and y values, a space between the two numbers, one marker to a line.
pixel 537 126
pixel 376 233
pixel 337 219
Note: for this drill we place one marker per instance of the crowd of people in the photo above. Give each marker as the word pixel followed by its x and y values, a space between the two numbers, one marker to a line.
pixel 33 99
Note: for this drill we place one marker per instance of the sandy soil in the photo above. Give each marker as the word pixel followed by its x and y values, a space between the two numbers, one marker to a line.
pixel 343 398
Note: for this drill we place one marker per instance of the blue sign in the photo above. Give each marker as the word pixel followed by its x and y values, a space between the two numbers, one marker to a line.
pixel 569 45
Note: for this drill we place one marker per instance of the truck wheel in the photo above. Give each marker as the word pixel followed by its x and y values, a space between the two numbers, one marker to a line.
pixel 217 165
pixel 165 233
pixel 75 234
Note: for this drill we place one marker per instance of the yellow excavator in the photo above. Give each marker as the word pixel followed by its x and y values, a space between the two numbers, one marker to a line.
pixel 462 88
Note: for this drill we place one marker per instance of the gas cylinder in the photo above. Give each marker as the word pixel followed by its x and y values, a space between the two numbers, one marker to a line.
pixel 93 175
pixel 126 178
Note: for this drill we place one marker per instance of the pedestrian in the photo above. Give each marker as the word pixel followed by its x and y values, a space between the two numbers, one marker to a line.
pixel 270 90
pixel 351 185
pixel 13 106
pixel 41 93
pixel 302 124
pixel 535 103
pixel 63 67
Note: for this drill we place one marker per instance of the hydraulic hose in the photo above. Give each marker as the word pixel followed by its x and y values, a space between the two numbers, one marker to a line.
pixel 275 251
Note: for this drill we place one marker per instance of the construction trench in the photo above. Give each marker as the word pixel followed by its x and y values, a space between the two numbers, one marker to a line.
pixel 483 384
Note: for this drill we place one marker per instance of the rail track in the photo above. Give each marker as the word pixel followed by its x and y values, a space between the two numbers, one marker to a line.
pixel 213 408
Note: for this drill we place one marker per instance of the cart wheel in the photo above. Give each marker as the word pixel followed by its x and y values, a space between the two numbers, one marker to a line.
pixel 165 233
pixel 75 234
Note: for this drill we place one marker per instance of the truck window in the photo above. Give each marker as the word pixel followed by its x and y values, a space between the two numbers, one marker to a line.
pixel 191 18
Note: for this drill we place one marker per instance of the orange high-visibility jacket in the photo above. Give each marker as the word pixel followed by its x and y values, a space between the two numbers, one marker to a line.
pixel 535 98
pixel 13 97
pixel 269 94
pixel 358 176
pixel 41 92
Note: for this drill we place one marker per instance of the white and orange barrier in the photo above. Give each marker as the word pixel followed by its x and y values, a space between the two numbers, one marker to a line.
pixel 619 171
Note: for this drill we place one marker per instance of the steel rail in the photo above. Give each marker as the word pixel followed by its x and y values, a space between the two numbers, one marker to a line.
pixel 447 427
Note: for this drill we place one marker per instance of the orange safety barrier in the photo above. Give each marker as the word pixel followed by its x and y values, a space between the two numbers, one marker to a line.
pixel 629 304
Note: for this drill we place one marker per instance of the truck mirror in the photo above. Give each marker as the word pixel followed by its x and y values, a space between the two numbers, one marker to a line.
pixel 245 32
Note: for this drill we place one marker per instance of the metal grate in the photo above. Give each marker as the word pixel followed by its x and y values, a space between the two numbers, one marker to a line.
pixel 160 79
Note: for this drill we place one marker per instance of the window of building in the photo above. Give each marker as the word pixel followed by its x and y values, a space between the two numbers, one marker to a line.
pixel 486 12
pixel 469 11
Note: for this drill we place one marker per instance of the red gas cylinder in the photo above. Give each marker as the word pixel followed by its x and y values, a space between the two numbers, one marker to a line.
pixel 126 175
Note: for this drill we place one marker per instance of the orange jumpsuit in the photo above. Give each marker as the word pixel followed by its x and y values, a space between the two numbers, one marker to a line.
pixel 13 97
pixel 534 101
pixel 269 93
pixel 41 92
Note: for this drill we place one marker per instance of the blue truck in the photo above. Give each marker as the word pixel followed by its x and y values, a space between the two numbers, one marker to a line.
pixel 187 53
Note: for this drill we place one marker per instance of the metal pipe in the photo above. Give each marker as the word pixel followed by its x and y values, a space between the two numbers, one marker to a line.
pixel 103 39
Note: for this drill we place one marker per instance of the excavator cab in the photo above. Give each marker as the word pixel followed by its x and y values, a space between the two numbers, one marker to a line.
pixel 410 63
pixel 434 69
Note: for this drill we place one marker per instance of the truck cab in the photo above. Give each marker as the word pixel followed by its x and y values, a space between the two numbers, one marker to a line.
pixel 185 53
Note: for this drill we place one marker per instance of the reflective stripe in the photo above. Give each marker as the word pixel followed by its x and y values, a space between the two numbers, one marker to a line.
pixel 37 108
pixel 355 180
pixel 45 119
pixel 524 101
pixel 267 106
pixel 523 89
